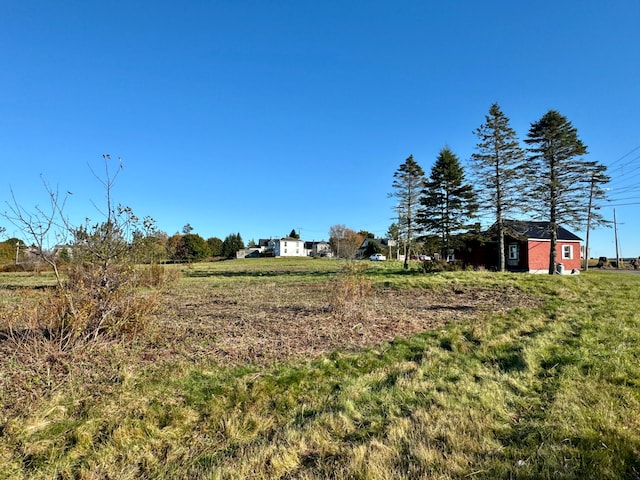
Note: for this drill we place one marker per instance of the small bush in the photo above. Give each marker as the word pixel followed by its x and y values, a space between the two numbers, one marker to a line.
pixel 96 293
pixel 90 306
pixel 441 266
pixel 103 302
pixel 349 292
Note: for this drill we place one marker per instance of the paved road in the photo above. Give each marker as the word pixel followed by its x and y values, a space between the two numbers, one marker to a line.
pixel 613 270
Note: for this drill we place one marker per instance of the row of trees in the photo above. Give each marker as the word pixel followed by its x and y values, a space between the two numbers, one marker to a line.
pixel 152 246
pixel 158 247
pixel 547 180
pixel 189 247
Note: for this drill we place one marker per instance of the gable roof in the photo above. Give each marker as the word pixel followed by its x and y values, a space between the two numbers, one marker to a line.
pixel 536 230
pixel 314 243
pixel 382 242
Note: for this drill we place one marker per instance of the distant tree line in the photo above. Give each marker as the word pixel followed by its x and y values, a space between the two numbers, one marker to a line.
pixel 189 247
pixel 158 247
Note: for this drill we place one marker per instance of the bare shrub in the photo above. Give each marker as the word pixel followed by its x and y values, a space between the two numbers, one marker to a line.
pixel 349 294
pixel 106 302
pixel 98 297
pixel 84 309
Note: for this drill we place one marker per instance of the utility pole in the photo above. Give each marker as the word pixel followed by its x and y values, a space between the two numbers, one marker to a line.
pixel 615 228
pixel 595 192
pixel 586 246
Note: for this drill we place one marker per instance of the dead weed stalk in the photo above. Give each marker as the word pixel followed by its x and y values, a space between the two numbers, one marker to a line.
pixel 349 294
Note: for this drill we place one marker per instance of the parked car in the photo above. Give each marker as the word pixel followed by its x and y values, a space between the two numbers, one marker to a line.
pixel 377 257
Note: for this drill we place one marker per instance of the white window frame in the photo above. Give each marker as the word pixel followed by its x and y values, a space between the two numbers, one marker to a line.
pixel 567 252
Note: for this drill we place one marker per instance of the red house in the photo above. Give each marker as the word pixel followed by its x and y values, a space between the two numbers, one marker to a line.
pixel 527 247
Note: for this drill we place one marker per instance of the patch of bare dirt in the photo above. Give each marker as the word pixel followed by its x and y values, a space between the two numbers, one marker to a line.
pixel 259 323
pixel 270 322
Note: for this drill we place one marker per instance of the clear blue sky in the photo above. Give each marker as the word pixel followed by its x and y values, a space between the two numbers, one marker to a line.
pixel 259 117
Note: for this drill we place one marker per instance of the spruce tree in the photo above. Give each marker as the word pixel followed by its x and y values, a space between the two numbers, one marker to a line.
pixel 407 184
pixel 447 202
pixel 497 165
pixel 231 244
pixel 558 176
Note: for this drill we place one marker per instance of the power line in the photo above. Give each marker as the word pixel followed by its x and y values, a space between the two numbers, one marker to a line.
pixel 623 204
pixel 624 156
pixel 623 182
pixel 624 189
pixel 623 198
pixel 621 168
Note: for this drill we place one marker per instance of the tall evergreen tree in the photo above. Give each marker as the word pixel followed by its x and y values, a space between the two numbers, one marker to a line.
pixel 231 244
pixel 558 176
pixel 497 165
pixel 447 203
pixel 408 182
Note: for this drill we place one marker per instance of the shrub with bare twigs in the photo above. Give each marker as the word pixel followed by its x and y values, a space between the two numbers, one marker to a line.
pixel 97 283
pixel 350 292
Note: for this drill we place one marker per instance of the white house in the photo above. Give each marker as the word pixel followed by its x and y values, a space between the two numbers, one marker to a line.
pixel 287 247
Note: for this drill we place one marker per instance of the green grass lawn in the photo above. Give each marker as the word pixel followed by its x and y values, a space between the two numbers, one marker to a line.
pixel 549 390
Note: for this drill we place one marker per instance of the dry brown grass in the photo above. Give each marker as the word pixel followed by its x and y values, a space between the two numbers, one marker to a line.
pixel 272 321
pixel 532 392
pixel 349 293
pixel 228 321
pixel 46 348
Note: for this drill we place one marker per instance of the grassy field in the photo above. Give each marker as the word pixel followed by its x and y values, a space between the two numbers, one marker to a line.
pixel 315 369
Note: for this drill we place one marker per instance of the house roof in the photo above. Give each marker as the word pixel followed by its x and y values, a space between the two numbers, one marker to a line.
pixel 285 239
pixel 314 243
pixel 382 242
pixel 537 230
